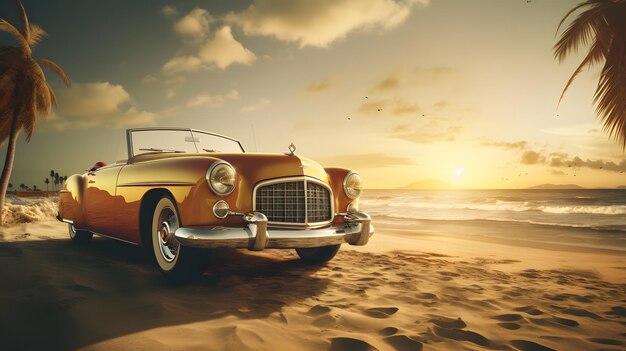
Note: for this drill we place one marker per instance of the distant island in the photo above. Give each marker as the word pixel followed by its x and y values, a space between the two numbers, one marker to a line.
pixel 556 186
pixel 431 184
pixel 621 187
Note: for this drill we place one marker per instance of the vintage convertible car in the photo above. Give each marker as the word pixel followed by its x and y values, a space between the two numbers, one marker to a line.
pixel 184 190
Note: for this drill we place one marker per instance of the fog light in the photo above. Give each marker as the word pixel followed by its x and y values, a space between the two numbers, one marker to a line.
pixel 220 209
pixel 353 207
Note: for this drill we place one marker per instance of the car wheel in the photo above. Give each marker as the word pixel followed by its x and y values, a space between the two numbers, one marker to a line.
pixel 79 236
pixel 315 255
pixel 178 264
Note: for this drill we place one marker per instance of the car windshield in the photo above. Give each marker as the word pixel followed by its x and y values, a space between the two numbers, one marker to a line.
pixel 143 141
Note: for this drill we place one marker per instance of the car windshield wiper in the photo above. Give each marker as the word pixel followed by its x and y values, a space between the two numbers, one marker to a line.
pixel 161 150
pixel 210 150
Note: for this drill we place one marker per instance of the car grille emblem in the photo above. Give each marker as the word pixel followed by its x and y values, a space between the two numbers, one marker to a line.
pixel 292 148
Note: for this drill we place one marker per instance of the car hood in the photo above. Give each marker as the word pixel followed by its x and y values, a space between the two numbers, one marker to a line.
pixel 268 166
pixel 254 166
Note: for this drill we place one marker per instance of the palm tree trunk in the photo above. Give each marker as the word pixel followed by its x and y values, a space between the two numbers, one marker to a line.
pixel 8 162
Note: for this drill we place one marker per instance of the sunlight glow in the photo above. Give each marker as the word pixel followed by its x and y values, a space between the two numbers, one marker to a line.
pixel 458 172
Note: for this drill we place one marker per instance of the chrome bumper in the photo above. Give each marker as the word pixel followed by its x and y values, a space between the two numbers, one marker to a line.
pixel 255 236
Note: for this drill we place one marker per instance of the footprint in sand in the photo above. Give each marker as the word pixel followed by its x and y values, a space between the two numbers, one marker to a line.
pixel 318 310
pixel 404 343
pixel 604 341
pixel 617 311
pixel 529 309
pixel 461 335
pixel 388 331
pixel 427 296
pixel 350 344
pixel 565 321
pixel 381 312
pixel 509 325
pixel 580 313
pixel 509 317
pixel 326 321
pixel 524 345
pixel 449 323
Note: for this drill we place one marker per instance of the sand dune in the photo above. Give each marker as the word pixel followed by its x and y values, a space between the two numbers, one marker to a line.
pixel 432 295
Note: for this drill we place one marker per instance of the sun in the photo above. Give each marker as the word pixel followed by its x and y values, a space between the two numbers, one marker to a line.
pixel 458 172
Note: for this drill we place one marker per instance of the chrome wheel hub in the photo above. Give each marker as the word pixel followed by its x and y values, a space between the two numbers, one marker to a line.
pixel 168 244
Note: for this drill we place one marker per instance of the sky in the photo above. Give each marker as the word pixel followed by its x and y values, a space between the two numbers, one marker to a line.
pixel 465 92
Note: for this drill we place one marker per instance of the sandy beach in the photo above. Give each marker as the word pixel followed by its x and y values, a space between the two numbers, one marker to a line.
pixel 412 288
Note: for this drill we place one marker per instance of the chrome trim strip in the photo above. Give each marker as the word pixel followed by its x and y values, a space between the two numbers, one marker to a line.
pixel 305 179
pixel 118 239
pixel 64 191
pixel 157 184
pixel 255 236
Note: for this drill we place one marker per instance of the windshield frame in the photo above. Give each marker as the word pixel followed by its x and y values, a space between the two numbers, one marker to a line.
pixel 129 137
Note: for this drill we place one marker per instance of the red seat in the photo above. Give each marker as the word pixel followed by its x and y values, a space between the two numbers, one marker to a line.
pixel 96 166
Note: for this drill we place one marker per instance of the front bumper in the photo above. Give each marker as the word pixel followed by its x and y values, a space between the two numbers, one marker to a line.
pixel 255 236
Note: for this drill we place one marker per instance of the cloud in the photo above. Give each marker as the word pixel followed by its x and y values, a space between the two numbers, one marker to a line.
pixel 169 10
pixel 195 24
pixel 260 103
pixel 390 82
pixel 531 157
pixel 209 100
pixel 321 86
pixel 363 161
pixel 100 104
pixel 402 76
pixel 183 64
pixel 516 145
pixel 223 50
pixel 427 134
pixel 149 78
pixel 319 23
pixel 395 107
pixel 563 161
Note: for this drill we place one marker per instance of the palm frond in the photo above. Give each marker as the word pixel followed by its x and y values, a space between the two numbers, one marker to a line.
pixel 25 24
pixel 581 31
pixel 36 35
pixel 57 69
pixel 8 27
pixel 610 96
pixel 595 55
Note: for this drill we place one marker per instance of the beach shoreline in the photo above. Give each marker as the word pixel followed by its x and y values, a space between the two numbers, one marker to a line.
pixel 402 291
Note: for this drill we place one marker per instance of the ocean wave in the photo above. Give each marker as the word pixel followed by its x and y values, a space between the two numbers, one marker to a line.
pixel 499 205
pixel 26 210
pixel 610 228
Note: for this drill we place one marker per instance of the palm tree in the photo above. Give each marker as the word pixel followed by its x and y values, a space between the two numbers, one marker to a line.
pixel 56 181
pixel 601 27
pixel 24 90
pixel 47 182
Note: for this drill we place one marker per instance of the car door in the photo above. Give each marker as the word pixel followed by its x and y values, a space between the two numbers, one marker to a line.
pixel 100 208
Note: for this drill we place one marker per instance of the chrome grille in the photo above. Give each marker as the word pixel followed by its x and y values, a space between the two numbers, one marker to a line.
pixel 299 201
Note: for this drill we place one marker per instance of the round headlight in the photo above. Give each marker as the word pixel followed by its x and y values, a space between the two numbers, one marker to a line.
pixel 221 178
pixel 221 209
pixel 352 185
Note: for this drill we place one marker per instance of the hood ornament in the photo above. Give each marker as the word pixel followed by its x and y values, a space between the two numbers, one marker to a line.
pixel 292 148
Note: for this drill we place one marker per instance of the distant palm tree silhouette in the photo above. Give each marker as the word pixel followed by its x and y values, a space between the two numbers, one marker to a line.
pixel 602 27
pixel 24 91
pixel 47 182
